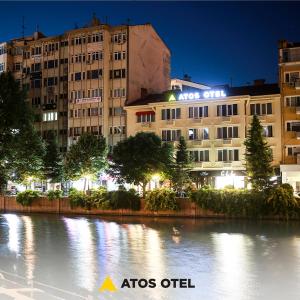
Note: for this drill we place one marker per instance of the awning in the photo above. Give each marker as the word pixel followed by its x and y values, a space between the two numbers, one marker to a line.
pixel 142 113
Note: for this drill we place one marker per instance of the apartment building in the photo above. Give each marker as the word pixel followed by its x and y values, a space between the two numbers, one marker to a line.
pixel 79 81
pixel 214 123
pixel 289 80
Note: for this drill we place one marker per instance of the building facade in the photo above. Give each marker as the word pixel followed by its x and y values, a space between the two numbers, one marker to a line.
pixel 214 123
pixel 79 81
pixel 289 80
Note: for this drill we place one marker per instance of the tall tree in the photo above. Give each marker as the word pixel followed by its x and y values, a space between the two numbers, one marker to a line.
pixel 53 167
pixel 86 158
pixel 21 149
pixel 258 157
pixel 137 158
pixel 181 171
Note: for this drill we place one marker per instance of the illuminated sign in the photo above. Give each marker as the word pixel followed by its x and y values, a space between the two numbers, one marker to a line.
pixel 208 94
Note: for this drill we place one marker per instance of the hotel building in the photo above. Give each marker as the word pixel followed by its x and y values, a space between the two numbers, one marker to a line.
pixel 214 124
pixel 80 80
pixel 289 80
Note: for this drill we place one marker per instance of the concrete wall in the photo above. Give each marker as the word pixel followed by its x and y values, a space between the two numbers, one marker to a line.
pixel 62 206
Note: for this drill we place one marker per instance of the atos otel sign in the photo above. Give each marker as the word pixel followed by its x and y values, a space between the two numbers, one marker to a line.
pixel 208 94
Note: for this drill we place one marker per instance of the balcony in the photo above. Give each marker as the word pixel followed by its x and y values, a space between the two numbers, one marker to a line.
pixel 49 106
pixel 226 119
pixel 227 141
pixel 294 84
pixel 170 122
pixel 197 120
pixel 86 100
pixel 146 124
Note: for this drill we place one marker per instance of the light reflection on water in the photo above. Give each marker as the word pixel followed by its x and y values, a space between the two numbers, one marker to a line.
pixel 225 259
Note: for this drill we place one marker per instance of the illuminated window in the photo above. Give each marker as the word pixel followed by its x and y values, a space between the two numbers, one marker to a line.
pixel 50 116
pixel 268 131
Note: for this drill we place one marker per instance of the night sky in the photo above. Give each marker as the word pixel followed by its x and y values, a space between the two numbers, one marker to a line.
pixel 210 41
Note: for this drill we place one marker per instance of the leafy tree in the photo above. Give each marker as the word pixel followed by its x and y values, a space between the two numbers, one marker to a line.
pixel 86 158
pixel 180 172
pixel 21 149
pixel 53 167
pixel 137 158
pixel 258 157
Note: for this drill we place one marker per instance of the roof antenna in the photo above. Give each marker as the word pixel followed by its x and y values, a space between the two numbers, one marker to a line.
pixel 23 27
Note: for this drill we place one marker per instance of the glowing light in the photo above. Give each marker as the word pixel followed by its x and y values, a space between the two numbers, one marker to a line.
pixel 198 95
pixel 155 177
pixel 214 94
pixel 228 178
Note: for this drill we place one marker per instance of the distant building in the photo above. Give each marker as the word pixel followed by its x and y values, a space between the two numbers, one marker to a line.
pixel 80 80
pixel 289 80
pixel 214 123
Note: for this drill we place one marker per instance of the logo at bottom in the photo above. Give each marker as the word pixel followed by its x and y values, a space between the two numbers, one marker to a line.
pixel 107 285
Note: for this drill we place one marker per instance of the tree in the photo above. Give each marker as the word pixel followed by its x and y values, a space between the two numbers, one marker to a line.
pixel 21 149
pixel 181 171
pixel 86 158
pixel 258 157
pixel 137 158
pixel 53 167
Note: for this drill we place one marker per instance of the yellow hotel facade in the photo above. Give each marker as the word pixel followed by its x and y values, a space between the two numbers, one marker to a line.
pixel 214 122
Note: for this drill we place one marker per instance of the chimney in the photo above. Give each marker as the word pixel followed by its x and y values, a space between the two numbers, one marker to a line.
pixel 186 77
pixel 144 93
pixel 257 82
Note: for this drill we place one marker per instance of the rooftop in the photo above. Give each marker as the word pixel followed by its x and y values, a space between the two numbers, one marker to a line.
pixel 257 89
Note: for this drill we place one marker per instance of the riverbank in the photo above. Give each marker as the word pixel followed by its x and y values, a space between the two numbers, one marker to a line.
pixel 62 206
pixel 187 209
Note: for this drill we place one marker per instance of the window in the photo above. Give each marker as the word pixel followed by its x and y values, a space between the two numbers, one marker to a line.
pixel 95 93
pixel 145 117
pixel 95 38
pixel 36 67
pixel 36 51
pixel 119 73
pixel 199 155
pixel 116 111
pixel 170 113
pixel 261 109
pixel 227 110
pixel 198 134
pixel 2 50
pixel 227 132
pixel 94 74
pixel 119 38
pixel 121 92
pixel 293 101
pixel 119 55
pixel 268 131
pixel 171 135
pixel 64 43
pixel 2 67
pixel 63 61
pixel 36 83
pixel 293 151
pixel 78 40
pixel 292 77
pixel 94 56
pixel 50 81
pixel 51 47
pixel 117 130
pixel 17 66
pixel 50 116
pixel 77 76
pixel 51 64
pixel 198 112
pixel 77 95
pixel 228 155
pixel 293 126
pixel 94 111
pixel 36 101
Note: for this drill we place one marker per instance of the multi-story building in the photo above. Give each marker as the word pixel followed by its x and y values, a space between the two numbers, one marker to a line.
pixel 289 80
pixel 80 80
pixel 214 123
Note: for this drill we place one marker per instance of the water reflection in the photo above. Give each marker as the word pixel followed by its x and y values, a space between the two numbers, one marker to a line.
pixel 83 252
pixel 226 260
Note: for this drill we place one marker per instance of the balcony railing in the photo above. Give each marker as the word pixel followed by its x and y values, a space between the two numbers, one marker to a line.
pixel 86 100
pixel 294 84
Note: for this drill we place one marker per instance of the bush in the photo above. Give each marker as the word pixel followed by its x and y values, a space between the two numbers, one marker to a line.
pixel 161 199
pixel 123 199
pixel 102 199
pixel 278 201
pixel 54 194
pixel 27 197
pixel 77 198
pixel 281 201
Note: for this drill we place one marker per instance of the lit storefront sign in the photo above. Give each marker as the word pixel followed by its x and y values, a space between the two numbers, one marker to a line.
pixel 211 94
